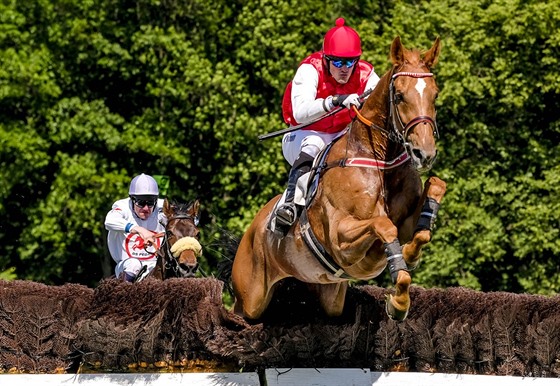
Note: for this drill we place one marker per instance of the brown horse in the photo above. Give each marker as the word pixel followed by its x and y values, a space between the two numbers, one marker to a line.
pixel 369 209
pixel 180 249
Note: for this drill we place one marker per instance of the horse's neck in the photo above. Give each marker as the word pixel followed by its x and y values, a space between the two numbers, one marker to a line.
pixel 365 142
pixel 373 141
pixel 158 271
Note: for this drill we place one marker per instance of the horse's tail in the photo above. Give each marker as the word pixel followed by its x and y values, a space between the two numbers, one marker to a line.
pixel 224 274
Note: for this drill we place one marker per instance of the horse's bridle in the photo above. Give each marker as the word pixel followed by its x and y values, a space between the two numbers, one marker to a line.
pixel 170 263
pixel 397 130
pixel 398 126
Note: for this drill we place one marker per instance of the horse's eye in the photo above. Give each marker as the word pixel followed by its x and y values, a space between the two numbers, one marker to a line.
pixel 398 98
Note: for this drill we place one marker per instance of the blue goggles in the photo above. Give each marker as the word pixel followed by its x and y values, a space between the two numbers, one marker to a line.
pixel 338 63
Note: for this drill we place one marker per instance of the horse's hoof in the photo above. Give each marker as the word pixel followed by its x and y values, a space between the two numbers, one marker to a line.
pixel 393 312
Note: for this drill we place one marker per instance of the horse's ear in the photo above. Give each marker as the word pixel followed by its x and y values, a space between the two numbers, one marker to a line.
pixel 431 56
pixel 397 51
pixel 195 207
pixel 166 207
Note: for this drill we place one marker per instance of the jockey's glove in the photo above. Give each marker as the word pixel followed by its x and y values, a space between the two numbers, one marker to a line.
pixel 338 100
pixel 346 100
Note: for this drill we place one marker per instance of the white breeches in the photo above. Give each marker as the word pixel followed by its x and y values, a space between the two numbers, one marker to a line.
pixel 132 266
pixel 308 141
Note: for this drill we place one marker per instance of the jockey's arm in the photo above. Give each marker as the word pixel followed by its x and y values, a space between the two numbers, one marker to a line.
pixel 116 222
pixel 306 108
pixel 116 219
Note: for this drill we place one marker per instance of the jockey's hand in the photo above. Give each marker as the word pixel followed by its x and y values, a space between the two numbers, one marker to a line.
pixel 346 100
pixel 338 100
pixel 148 236
pixel 352 100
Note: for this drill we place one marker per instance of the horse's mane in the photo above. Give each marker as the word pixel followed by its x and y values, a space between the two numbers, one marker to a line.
pixel 378 98
pixel 181 207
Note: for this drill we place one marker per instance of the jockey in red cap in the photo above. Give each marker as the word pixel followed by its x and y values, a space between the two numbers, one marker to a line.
pixel 342 42
pixel 331 78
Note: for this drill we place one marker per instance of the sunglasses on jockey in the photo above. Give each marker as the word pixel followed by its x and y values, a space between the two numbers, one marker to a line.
pixel 339 62
pixel 142 203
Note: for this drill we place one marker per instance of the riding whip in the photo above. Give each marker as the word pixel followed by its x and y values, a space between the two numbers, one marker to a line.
pixel 294 128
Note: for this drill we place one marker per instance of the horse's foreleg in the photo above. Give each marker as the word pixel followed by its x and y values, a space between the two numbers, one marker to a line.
pixel 398 304
pixel 355 238
pixel 251 286
pixel 434 190
pixel 358 235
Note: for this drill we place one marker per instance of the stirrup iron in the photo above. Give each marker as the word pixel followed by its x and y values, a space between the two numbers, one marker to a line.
pixel 286 214
pixel 285 217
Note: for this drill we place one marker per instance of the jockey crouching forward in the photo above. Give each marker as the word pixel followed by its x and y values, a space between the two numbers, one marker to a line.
pixel 133 224
pixel 324 81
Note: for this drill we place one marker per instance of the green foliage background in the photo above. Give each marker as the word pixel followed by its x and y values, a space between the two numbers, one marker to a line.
pixel 93 92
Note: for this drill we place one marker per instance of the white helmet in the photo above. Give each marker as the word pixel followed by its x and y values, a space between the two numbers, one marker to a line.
pixel 143 185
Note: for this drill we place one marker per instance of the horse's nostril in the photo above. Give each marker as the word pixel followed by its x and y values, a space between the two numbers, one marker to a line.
pixel 189 267
pixel 418 153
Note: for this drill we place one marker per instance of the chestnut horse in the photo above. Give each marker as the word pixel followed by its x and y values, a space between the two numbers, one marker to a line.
pixel 369 209
pixel 180 249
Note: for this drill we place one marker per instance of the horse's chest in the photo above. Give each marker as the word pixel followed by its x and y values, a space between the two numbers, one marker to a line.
pixel 401 206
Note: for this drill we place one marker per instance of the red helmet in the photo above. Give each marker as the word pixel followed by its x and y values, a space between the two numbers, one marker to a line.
pixel 342 41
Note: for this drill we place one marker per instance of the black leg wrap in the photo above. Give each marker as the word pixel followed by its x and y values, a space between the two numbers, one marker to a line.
pixel 428 215
pixel 395 259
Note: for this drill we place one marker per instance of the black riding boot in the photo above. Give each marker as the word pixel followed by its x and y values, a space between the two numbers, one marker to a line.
pixel 287 213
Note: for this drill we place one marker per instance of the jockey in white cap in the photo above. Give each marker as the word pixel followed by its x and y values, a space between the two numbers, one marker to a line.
pixel 133 224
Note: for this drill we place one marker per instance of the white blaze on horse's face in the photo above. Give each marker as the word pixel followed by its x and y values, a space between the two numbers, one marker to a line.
pixel 417 116
pixel 420 86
